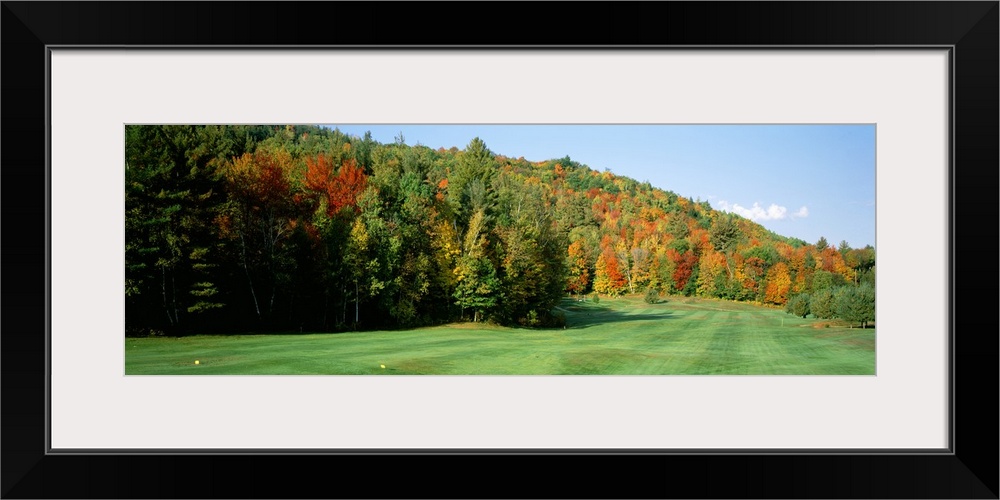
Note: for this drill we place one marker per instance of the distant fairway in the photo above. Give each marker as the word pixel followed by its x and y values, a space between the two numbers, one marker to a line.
pixel 626 336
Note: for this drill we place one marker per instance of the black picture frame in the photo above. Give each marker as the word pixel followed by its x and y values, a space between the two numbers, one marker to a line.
pixel 969 28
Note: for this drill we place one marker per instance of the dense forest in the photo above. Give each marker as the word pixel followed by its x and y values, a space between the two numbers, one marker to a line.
pixel 304 228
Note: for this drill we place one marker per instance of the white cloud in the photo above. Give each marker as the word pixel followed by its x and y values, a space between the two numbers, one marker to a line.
pixel 758 213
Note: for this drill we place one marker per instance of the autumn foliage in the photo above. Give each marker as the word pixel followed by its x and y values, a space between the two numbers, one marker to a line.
pixel 341 189
pixel 258 227
pixel 260 178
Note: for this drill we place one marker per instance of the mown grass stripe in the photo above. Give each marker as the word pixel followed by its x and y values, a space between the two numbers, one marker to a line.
pixel 616 336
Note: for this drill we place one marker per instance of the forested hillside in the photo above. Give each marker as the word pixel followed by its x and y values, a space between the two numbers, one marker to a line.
pixel 236 228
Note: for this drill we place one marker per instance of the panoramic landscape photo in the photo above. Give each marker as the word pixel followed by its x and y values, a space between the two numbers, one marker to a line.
pixel 401 249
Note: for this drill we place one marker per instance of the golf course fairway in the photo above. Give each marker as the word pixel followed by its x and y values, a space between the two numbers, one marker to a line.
pixel 617 336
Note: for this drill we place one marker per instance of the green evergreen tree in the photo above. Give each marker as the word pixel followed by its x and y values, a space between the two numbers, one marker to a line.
pixel 856 303
pixel 798 305
pixel 821 304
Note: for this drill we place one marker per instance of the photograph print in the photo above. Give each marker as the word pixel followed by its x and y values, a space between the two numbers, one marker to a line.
pixel 400 249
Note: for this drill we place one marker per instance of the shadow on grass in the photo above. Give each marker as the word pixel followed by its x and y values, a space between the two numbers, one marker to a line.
pixel 578 315
pixel 243 333
pixel 589 316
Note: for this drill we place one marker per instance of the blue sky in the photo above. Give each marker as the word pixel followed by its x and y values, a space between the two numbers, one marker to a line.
pixel 804 181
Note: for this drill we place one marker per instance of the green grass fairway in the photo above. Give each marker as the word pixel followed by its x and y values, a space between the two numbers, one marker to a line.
pixel 625 336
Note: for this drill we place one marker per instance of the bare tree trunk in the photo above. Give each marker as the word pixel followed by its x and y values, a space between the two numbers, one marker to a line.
pixel 163 287
pixel 173 296
pixel 246 269
pixel 273 236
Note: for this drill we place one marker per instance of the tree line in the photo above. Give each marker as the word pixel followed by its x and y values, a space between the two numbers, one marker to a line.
pixel 235 228
pixel 855 304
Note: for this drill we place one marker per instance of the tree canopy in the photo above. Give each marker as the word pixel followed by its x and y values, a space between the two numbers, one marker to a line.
pixel 306 228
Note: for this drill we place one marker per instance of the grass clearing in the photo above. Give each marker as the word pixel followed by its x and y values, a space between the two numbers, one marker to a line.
pixel 621 336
